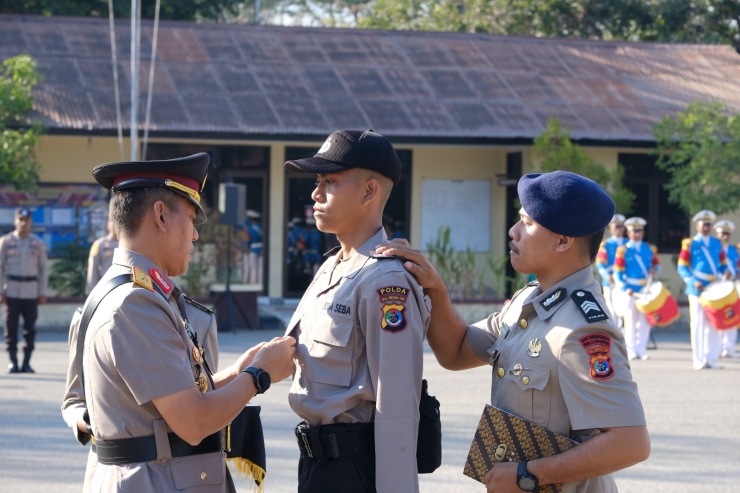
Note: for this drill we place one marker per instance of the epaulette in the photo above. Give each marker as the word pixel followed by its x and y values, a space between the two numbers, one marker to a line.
pixel 621 249
pixel 142 279
pixel 191 301
pixel 588 306
pixel 686 243
pixel 654 249
pixel 95 248
pixel 382 257
pixel 332 252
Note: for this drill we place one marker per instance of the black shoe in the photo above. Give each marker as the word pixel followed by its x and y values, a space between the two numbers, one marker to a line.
pixel 13 368
pixel 26 367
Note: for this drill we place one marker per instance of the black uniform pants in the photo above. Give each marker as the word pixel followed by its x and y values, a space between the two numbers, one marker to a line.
pixel 14 308
pixel 353 474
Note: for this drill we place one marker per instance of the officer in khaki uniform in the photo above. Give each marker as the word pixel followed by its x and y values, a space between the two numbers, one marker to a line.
pixel 74 406
pixel 23 279
pixel 360 329
pixel 158 414
pixel 557 357
pixel 101 257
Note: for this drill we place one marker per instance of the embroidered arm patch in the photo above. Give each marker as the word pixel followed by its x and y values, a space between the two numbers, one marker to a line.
pixel 588 306
pixel 393 300
pixel 597 347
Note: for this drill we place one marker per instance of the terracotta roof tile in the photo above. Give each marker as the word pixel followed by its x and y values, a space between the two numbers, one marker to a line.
pixel 256 80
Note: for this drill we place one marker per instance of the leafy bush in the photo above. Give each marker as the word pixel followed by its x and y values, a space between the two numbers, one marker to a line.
pixel 68 275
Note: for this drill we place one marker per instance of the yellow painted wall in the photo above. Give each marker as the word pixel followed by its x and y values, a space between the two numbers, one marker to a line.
pixel 71 159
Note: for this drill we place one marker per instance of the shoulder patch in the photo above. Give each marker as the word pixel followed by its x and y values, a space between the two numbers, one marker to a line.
pixel 142 279
pixel 588 305
pixel 393 305
pixel 686 243
pixel 197 305
pixel 161 281
pixel 556 297
pixel 621 249
pixel 597 347
pixel 654 249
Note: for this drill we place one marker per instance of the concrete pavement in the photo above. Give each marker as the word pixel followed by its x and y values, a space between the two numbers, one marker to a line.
pixel 693 418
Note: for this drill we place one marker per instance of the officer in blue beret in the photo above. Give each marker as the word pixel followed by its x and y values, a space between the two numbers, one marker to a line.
pixel 557 357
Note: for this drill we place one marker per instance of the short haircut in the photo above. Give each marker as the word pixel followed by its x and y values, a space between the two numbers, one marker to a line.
pixel 128 207
pixel 386 184
pixel 589 245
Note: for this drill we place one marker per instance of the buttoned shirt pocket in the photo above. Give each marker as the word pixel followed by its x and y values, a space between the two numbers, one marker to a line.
pixel 198 470
pixel 534 398
pixel 331 351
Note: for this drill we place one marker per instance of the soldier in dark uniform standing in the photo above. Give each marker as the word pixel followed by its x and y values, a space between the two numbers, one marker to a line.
pixel 557 357
pixel 23 279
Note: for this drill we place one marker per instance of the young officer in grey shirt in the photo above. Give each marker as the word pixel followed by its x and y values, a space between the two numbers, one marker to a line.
pixel 360 330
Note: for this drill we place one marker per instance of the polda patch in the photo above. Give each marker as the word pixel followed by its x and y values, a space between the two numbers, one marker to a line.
pixel 597 347
pixel 393 299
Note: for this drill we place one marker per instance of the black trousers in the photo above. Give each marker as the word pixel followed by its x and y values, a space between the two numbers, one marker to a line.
pixel 353 474
pixel 14 308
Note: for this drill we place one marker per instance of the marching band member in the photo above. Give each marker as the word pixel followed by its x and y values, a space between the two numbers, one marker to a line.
pixel 635 264
pixel 702 261
pixel 605 263
pixel 723 230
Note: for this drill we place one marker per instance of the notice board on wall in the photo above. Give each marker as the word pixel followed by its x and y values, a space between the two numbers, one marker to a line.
pixel 462 205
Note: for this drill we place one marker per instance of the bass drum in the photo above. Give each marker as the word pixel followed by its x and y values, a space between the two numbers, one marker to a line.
pixel 721 302
pixel 658 305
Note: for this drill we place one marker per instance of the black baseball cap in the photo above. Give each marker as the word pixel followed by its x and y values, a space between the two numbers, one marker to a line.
pixel 184 176
pixel 347 149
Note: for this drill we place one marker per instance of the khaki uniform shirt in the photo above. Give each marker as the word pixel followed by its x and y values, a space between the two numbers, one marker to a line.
pixel 579 381
pixel 359 357
pixel 100 260
pixel 24 258
pixel 137 349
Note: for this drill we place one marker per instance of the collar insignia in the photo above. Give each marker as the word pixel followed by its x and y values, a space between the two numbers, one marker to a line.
pixel 161 281
pixel 553 300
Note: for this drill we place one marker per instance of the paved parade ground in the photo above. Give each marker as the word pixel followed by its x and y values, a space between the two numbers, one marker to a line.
pixel 693 418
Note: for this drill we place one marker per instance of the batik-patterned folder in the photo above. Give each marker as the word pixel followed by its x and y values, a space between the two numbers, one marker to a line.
pixel 503 437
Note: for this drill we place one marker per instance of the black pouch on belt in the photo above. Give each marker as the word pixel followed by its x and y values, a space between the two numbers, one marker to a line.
pixel 429 442
pixel 245 445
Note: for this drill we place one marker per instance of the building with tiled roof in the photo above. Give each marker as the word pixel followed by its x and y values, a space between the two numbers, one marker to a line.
pixel 462 109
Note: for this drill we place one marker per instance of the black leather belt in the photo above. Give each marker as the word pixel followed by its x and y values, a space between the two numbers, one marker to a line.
pixel 23 278
pixel 144 449
pixel 335 441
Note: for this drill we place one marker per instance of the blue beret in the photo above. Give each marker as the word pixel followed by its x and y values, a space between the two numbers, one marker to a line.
pixel 566 203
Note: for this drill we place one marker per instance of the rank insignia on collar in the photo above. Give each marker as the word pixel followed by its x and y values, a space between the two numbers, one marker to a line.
pixel 588 305
pixel 160 280
pixel 554 299
pixel 142 279
pixel 534 348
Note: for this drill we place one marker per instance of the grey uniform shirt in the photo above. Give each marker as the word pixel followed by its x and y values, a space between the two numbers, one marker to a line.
pixel 100 260
pixel 137 349
pixel 359 357
pixel 23 258
pixel 579 381
pixel 74 405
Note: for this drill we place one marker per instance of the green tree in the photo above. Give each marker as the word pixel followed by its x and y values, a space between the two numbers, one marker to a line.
pixel 555 151
pixel 68 275
pixel 700 148
pixel 18 167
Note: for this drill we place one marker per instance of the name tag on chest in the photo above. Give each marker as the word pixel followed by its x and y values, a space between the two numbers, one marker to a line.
pixel 339 309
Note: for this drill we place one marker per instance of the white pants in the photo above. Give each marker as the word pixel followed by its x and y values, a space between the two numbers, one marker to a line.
pixel 636 330
pixel 255 268
pixel 706 341
pixel 244 267
pixel 610 295
pixel 729 338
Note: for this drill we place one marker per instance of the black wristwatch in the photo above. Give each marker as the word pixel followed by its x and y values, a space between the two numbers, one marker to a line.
pixel 262 379
pixel 525 480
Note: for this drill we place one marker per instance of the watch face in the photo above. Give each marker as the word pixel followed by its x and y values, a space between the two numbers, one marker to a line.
pixel 264 380
pixel 526 484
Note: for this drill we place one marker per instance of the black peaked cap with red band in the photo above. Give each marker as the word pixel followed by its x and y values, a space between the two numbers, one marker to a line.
pixel 184 176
